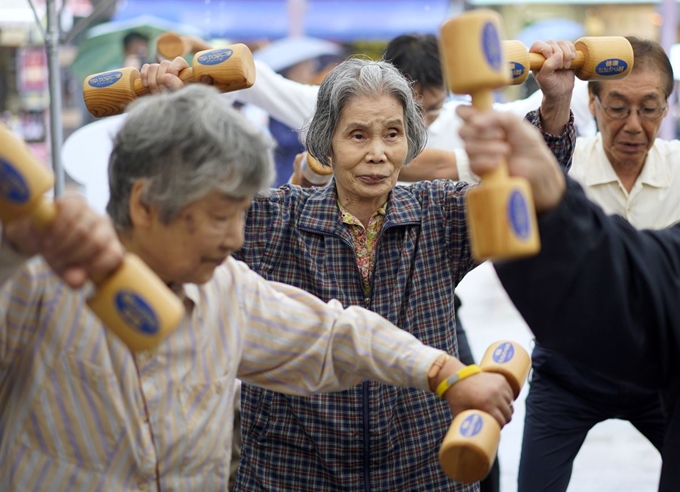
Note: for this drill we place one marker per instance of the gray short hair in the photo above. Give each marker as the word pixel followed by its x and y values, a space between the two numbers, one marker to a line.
pixel 184 145
pixel 356 77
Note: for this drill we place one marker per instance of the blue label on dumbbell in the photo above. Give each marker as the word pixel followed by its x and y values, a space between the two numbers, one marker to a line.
pixel 518 215
pixel 215 57
pixel 612 66
pixel 517 70
pixel 13 188
pixel 471 425
pixel 491 45
pixel 503 353
pixel 105 79
pixel 136 312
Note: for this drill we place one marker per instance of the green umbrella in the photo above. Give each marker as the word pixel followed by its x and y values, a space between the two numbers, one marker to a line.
pixel 102 48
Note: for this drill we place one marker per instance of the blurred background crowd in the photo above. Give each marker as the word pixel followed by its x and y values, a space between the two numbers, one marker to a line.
pixel 99 35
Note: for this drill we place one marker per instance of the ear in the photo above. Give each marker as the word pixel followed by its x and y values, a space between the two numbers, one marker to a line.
pixel 591 102
pixel 141 214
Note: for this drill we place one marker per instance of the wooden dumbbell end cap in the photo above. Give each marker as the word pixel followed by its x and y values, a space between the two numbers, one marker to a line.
pixel 23 180
pixel 231 68
pixel 108 93
pixel 136 305
pixel 471 52
pixel 604 58
pixel 519 61
pixel 469 447
pixel 509 359
pixel 170 45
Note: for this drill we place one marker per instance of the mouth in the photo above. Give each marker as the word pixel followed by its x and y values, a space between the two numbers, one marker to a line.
pixel 373 178
pixel 631 147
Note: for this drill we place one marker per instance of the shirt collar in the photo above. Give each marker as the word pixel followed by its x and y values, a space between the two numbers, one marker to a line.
pixel 188 294
pixel 654 173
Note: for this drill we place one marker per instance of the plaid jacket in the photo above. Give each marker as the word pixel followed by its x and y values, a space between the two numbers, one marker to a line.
pixel 372 437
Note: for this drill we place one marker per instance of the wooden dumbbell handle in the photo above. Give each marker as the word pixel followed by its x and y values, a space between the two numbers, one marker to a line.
pixel 42 215
pixel 483 100
pixel 536 60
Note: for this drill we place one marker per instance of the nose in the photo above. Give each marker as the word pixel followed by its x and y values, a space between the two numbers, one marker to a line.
pixel 633 122
pixel 376 151
pixel 233 237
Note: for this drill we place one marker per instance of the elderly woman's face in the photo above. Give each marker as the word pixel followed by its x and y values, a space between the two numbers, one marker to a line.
pixel 369 147
pixel 192 245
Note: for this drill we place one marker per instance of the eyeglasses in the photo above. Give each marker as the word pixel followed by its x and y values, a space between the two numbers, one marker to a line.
pixel 649 113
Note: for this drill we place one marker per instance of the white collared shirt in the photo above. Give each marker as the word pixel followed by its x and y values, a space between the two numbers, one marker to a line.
pixel 654 200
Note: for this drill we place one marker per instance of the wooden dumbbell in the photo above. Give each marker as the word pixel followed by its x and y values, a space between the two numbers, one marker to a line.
pixel 469 448
pixel 228 69
pixel 597 58
pixel 170 45
pixel 133 302
pixel 500 212
pixel 318 171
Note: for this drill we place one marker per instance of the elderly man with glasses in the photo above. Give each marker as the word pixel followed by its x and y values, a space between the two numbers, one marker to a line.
pixel 627 171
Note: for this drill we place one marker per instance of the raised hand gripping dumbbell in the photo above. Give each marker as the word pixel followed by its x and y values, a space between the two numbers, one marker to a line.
pixel 471 443
pixel 228 69
pixel 133 302
pixel 500 212
pixel 597 58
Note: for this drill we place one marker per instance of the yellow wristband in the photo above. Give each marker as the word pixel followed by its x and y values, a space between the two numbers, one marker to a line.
pixel 459 375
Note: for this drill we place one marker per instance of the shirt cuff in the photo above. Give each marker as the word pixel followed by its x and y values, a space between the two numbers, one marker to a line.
pixel 463 167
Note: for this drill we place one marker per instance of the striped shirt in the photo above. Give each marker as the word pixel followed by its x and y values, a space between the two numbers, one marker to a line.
pixel 80 412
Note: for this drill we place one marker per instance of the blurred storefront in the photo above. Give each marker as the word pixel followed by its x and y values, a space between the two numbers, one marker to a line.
pixel 24 76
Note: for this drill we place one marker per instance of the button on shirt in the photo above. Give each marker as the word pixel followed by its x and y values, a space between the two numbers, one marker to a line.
pixel 654 200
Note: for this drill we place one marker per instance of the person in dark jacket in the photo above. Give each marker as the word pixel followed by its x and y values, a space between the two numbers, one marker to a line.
pixel 600 292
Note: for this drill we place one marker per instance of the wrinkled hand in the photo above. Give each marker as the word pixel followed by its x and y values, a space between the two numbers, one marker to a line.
pixel 486 391
pixel 491 137
pixel 163 76
pixel 554 78
pixel 77 245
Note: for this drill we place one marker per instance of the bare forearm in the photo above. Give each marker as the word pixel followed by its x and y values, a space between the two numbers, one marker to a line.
pixel 429 165
pixel 555 114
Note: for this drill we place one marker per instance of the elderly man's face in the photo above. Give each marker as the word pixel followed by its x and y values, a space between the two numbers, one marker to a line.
pixel 627 140
pixel 190 247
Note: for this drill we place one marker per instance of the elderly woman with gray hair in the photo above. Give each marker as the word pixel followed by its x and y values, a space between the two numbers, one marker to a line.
pixel 362 240
pixel 79 411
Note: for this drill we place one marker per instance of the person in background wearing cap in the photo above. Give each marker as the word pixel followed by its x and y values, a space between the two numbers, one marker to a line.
pixel 298 59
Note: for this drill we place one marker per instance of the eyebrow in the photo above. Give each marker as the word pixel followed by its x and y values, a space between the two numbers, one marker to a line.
pixel 362 126
pixel 649 95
